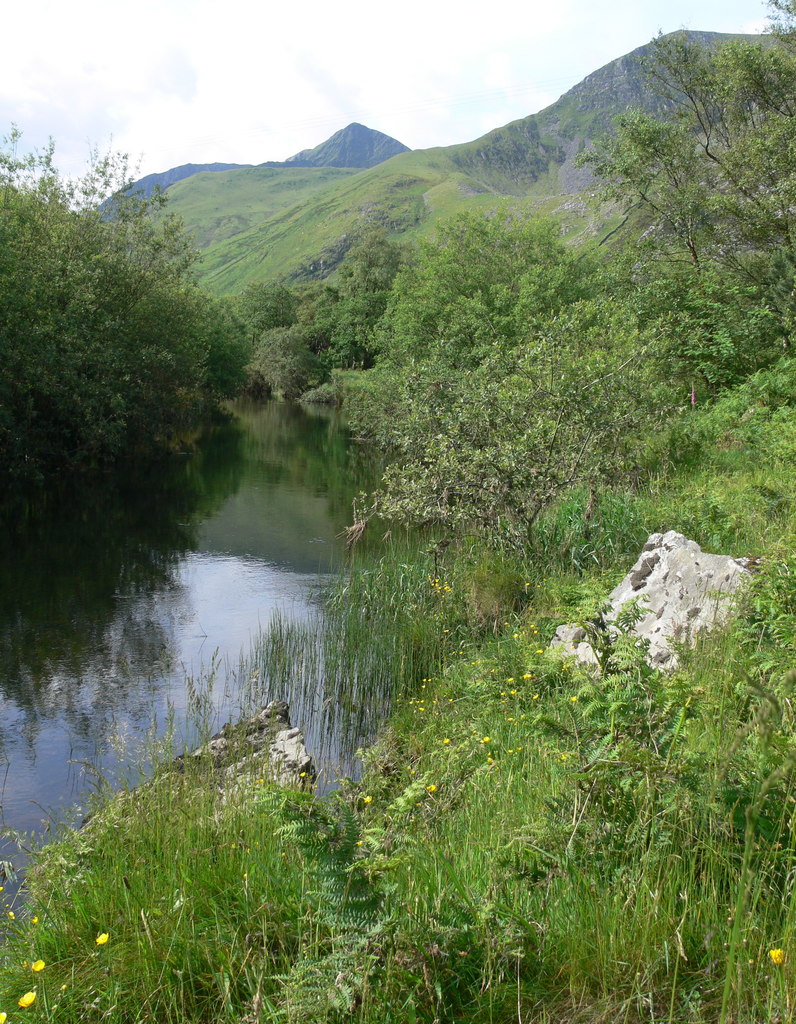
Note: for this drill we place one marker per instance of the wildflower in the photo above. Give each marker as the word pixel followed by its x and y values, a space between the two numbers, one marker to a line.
pixel 446 741
pixel 432 788
pixel 102 938
pixel 574 700
pixel 33 920
pixel 777 956
pixel 63 989
pixel 3 1018
pixel 27 1000
pixel 540 651
pixel 367 799
pixel 37 965
pixel 11 914
pixel 487 739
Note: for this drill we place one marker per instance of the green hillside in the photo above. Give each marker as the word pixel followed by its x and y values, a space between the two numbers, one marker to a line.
pixel 289 224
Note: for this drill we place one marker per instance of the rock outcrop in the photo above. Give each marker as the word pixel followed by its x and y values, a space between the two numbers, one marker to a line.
pixel 681 590
pixel 264 744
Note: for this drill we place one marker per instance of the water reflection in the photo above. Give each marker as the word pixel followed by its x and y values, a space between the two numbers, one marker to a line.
pixel 112 590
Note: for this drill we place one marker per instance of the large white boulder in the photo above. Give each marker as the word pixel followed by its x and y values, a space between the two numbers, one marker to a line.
pixel 681 590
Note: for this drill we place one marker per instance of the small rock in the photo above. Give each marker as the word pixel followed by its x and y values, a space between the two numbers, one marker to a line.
pixel 265 743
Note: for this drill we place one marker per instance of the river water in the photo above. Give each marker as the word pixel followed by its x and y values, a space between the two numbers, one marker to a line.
pixel 114 592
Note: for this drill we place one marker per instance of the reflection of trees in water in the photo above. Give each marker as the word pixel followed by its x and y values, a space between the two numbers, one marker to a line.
pixel 310 450
pixel 90 587
pixel 88 583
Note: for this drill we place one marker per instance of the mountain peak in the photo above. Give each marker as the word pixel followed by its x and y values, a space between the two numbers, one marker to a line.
pixel 353 146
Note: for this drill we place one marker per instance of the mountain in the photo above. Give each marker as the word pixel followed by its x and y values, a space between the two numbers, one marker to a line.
pixel 253 229
pixel 353 146
pixel 147 185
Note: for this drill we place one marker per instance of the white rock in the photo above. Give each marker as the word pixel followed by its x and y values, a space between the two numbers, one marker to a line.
pixel 681 590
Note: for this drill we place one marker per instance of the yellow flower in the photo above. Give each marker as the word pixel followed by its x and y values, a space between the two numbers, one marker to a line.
pixel 102 939
pixel 432 788
pixel 367 799
pixel 11 914
pixel 446 741
pixel 574 700
pixel 778 956
pixel 37 965
pixel 487 739
pixel 3 1018
pixel 27 1000
pixel 33 920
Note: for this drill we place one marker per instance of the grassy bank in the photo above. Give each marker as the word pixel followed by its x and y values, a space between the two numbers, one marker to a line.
pixel 525 843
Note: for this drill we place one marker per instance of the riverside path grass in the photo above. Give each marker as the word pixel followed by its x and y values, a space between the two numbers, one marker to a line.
pixel 525 844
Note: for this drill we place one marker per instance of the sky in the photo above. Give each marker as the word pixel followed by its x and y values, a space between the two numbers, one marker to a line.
pixel 170 82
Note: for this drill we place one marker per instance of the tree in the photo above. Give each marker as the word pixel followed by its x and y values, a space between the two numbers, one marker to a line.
pixel 487 451
pixel 717 177
pixel 106 341
pixel 477 287
pixel 283 363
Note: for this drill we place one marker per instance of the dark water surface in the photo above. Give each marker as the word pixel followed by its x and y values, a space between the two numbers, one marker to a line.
pixel 117 590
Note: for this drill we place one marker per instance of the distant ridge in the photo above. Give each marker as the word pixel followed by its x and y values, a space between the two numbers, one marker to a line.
pixel 150 182
pixel 353 146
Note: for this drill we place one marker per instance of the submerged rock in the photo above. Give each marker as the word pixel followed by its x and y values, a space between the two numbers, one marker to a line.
pixel 681 591
pixel 265 744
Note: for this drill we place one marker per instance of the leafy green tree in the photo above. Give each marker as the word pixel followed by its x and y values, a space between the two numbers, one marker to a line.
pixel 266 305
pixel 365 284
pixel 284 364
pixel 487 451
pixel 477 287
pixel 716 177
pixel 106 341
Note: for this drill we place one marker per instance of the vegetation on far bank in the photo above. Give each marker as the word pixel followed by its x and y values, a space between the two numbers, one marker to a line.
pixel 108 347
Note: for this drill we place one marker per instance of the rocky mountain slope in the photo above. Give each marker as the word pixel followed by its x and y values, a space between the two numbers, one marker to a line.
pixel 253 226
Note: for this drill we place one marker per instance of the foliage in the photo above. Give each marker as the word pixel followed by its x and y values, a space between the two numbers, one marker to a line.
pixel 491 449
pixel 714 330
pixel 108 345
pixel 716 176
pixel 282 363
pixel 265 306
pixel 480 286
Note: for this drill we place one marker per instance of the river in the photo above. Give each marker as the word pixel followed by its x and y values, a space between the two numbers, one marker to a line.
pixel 126 597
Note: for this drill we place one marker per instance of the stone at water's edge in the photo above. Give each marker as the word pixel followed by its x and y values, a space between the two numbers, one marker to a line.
pixel 681 589
pixel 266 743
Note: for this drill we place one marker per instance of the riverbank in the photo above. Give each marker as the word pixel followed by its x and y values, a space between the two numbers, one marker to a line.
pixel 524 844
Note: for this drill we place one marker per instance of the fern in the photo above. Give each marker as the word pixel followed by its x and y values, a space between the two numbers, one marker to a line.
pixel 346 898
